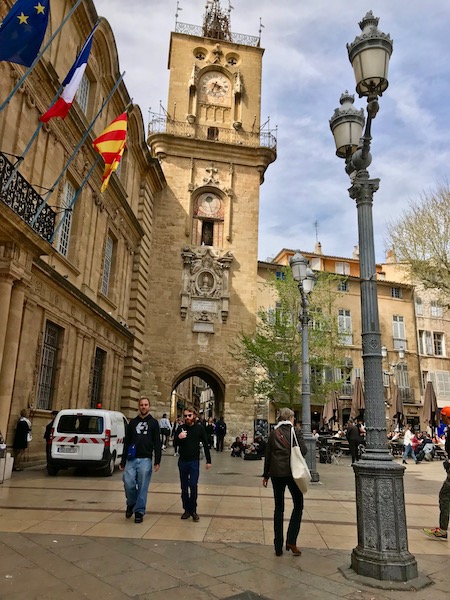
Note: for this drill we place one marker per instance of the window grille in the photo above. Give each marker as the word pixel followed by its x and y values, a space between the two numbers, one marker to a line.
pixel 48 366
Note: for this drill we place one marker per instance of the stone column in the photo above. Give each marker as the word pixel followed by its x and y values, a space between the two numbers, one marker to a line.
pixel 11 348
pixel 6 282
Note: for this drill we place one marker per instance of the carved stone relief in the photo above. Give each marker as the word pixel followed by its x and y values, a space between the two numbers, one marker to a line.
pixel 205 286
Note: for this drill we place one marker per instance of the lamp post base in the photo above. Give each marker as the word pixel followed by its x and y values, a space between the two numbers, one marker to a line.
pixel 382 550
pixel 310 457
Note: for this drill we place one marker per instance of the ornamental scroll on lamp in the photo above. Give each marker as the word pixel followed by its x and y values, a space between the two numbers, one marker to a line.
pixel 205 286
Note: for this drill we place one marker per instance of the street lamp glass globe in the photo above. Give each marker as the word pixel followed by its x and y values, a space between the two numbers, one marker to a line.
pixel 347 124
pixel 309 282
pixel 299 264
pixel 369 54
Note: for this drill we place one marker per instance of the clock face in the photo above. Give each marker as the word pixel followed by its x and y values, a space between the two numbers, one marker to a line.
pixel 208 205
pixel 215 87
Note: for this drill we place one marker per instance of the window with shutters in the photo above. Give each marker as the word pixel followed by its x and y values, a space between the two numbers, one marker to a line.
pixel 63 242
pixel 82 95
pixel 398 332
pixel 97 377
pixel 107 265
pixel 345 327
pixel 49 363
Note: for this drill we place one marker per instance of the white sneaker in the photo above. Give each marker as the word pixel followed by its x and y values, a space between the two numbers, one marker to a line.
pixel 176 454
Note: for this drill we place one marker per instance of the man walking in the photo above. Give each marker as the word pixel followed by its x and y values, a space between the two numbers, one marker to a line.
pixel 353 438
pixel 221 432
pixel 440 532
pixel 188 438
pixel 165 428
pixel 142 439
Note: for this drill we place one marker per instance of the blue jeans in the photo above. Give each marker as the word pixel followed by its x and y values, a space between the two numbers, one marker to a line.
pixel 409 452
pixel 136 479
pixel 189 474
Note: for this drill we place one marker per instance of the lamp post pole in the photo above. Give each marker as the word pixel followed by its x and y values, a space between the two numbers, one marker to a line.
pixel 305 280
pixel 382 550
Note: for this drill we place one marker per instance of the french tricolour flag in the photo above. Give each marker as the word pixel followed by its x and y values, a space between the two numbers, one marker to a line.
pixel 70 84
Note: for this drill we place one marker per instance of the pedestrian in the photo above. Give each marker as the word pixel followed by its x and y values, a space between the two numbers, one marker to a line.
pixel 354 439
pixel 210 432
pixel 22 437
pixel 277 466
pixel 175 428
pixel 165 428
pixel 48 435
pixel 440 532
pixel 221 432
pixel 407 443
pixel 142 440
pixel 189 436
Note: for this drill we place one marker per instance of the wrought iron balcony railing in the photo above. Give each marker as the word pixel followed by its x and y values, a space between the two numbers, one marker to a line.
pixel 23 199
pixel 407 395
pixel 347 389
pixel 236 38
pixel 163 124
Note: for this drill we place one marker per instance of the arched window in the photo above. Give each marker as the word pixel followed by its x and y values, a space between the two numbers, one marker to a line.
pixel 207 226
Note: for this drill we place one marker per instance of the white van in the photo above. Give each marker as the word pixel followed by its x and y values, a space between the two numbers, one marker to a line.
pixel 89 438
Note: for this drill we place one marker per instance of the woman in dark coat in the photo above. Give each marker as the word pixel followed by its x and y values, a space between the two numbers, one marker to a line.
pixel 277 466
pixel 21 437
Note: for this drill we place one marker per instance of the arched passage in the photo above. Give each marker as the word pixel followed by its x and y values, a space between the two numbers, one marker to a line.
pixel 201 387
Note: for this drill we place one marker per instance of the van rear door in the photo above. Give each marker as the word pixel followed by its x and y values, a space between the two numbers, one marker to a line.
pixel 79 436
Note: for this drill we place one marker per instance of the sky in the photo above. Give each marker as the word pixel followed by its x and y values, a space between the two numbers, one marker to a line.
pixel 304 198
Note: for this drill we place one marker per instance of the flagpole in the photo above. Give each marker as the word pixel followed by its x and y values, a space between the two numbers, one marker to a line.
pixel 38 57
pixel 39 127
pixel 80 143
pixel 69 208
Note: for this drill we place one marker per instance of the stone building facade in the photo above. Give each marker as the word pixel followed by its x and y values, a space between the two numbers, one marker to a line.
pixel 72 304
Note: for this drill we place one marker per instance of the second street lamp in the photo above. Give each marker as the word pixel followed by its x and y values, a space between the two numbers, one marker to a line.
pixel 305 279
pixel 382 550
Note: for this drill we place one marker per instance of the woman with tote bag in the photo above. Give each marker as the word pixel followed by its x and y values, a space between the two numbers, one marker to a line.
pixel 277 466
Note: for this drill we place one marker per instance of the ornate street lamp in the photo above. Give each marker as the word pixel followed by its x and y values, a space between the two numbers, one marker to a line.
pixel 382 550
pixel 306 280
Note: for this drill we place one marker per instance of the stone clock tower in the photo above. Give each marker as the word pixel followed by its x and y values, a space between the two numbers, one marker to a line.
pixel 203 262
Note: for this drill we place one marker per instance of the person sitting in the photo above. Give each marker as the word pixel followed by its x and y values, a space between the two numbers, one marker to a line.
pixel 426 449
pixel 237 447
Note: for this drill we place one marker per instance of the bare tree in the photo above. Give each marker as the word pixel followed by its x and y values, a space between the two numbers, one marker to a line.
pixel 421 239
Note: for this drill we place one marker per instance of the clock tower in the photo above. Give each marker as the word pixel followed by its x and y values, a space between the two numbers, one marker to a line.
pixel 203 262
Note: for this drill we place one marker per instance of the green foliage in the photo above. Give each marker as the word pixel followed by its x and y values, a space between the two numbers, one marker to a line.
pixel 269 359
pixel 421 239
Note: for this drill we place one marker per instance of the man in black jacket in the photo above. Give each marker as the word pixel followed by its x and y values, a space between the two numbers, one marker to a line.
pixel 142 438
pixel 353 439
pixel 188 438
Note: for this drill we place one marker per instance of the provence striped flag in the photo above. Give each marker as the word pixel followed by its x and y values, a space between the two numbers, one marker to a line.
pixel 110 144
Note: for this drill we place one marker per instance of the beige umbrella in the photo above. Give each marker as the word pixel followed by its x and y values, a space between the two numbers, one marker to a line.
pixel 430 407
pixel 397 403
pixel 330 409
pixel 358 402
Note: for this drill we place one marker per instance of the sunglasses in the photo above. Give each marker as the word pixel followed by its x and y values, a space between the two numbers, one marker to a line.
pixel 189 415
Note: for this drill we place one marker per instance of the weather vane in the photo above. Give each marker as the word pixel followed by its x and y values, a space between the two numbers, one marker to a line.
pixel 316 226
pixel 176 14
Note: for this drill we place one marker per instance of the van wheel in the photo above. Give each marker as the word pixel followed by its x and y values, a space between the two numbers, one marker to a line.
pixel 52 471
pixel 109 469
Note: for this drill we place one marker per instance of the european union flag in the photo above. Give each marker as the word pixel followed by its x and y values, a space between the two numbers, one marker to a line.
pixel 22 31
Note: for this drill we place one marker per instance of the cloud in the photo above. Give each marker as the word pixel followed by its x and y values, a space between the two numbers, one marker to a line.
pixel 305 70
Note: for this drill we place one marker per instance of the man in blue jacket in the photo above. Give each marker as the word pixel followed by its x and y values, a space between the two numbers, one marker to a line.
pixel 142 439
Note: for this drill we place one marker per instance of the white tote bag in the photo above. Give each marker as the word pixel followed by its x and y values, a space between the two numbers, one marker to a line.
pixel 299 468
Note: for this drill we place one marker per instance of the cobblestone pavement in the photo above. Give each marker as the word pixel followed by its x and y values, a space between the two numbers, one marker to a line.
pixel 66 537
